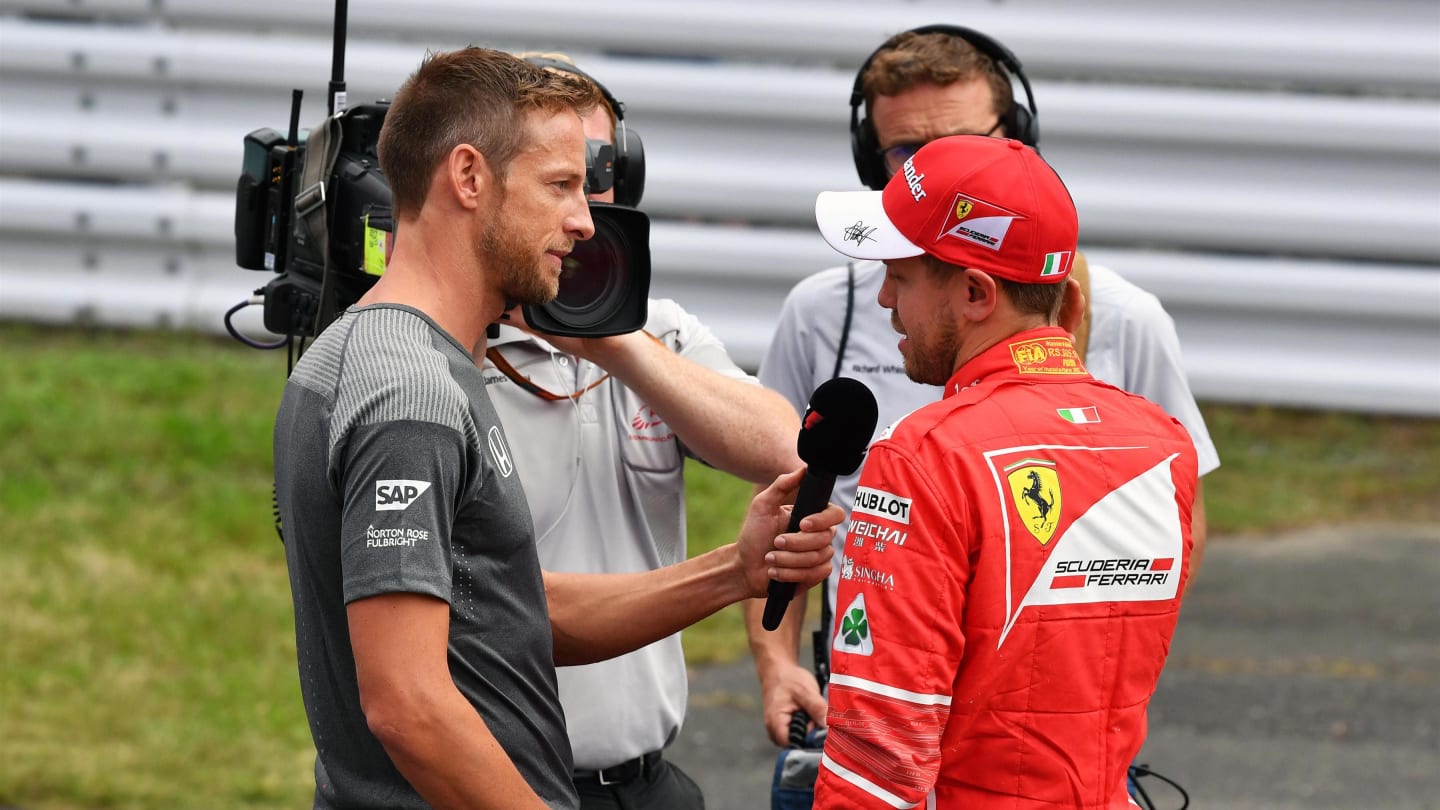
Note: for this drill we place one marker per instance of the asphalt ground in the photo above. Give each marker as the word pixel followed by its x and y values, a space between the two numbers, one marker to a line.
pixel 1305 673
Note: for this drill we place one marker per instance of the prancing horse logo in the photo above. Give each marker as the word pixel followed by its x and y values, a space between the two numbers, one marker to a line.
pixel 1035 488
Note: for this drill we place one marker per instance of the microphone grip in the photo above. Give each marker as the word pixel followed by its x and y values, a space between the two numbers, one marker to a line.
pixel 814 495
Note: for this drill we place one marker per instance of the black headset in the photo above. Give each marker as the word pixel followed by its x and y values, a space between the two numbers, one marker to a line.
pixel 629 151
pixel 1020 122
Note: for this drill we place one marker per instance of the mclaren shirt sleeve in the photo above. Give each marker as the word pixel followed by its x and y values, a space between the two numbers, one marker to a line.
pixel 898 640
pixel 400 481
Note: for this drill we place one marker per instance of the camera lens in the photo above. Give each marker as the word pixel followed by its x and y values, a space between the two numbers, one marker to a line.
pixel 604 282
pixel 593 277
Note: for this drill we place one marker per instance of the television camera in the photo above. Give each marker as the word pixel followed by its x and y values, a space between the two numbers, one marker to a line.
pixel 314 209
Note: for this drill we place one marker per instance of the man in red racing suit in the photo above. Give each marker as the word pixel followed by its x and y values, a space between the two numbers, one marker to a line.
pixel 1016 552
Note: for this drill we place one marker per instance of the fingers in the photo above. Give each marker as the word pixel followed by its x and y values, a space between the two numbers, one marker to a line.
pixel 777 727
pixel 795 690
pixel 814 706
pixel 782 490
pixel 826 519
pixel 803 557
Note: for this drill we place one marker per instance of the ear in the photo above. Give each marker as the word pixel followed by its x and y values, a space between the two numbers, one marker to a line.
pixel 1074 309
pixel 974 294
pixel 466 176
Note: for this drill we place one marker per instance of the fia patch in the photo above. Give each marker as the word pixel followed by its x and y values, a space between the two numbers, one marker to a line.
pixel 1047 355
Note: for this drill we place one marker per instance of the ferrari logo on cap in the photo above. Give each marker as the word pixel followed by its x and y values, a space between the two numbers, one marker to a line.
pixel 986 229
pixel 1035 490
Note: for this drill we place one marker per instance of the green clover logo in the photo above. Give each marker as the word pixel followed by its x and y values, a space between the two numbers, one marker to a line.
pixel 855 627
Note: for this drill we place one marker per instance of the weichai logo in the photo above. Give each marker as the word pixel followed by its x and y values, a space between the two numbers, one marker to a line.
pixel 1115 571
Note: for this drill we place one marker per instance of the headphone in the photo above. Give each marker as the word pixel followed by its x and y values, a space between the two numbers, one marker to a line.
pixel 1019 122
pixel 629 151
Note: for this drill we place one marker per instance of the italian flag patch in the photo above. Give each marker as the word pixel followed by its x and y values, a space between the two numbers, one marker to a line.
pixel 1080 416
pixel 1056 264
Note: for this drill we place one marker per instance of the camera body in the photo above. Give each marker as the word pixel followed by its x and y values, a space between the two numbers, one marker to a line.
pixel 329 242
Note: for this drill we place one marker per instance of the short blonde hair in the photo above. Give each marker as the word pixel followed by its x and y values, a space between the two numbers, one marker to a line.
pixel 598 94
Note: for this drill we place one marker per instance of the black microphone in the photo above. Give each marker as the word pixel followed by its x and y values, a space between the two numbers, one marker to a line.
pixel 836 430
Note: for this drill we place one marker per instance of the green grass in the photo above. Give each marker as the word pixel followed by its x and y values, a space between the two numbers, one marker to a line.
pixel 148 653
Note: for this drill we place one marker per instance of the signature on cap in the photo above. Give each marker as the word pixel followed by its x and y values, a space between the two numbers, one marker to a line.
pixel 858 233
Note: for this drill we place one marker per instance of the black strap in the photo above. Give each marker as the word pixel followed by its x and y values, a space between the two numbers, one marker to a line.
pixel 849 313
pixel 322 149
pixel 819 642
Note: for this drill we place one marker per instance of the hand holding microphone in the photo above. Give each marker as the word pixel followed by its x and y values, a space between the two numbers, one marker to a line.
pixel 834 433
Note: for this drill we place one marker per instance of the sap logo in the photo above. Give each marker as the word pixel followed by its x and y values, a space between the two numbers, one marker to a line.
pixel 397 494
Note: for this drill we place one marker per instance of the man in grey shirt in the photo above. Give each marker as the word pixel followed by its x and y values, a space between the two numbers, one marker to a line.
pixel 426 656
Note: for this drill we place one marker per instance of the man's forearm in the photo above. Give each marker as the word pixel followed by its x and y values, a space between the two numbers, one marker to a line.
pixel 775 649
pixel 449 756
pixel 739 427
pixel 598 616
pixel 435 737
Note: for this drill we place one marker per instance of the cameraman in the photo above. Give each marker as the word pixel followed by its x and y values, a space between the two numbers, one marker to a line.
pixel 608 424
pixel 426 656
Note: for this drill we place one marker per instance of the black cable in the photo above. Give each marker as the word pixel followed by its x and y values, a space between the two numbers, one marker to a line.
pixel 230 327
pixel 1142 770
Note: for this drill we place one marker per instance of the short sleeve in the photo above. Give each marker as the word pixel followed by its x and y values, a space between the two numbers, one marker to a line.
pixel 400 481
pixel 1155 369
pixel 692 340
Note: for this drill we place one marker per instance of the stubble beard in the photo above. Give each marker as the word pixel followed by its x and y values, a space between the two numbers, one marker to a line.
pixel 932 360
pixel 503 249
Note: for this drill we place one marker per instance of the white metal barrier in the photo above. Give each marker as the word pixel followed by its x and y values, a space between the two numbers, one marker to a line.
pixel 1270 170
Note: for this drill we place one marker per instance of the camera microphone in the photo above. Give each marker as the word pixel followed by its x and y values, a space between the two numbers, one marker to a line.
pixel 834 433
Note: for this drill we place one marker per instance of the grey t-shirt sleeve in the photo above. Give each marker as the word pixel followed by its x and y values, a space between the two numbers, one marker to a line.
pixel 399 481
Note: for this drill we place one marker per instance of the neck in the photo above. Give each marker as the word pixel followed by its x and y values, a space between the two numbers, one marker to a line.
pixel 439 275
pixel 994 330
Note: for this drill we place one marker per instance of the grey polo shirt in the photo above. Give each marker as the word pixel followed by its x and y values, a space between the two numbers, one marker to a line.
pixel 393 475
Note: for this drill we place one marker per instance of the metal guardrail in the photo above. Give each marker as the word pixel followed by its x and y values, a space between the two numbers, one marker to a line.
pixel 1284 201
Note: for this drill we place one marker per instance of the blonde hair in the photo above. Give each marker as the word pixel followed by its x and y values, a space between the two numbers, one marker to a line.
pixel 597 93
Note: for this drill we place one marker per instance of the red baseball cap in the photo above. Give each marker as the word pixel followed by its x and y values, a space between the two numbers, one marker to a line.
pixel 991 204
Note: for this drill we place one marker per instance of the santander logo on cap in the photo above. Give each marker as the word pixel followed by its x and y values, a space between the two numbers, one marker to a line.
pixel 913 178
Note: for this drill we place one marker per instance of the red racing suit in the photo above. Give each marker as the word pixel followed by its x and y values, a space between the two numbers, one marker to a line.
pixel 1010 583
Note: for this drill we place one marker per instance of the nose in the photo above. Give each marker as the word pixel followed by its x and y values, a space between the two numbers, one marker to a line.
pixel 886 297
pixel 579 226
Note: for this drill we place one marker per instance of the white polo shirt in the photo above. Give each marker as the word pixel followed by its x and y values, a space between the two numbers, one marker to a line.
pixel 604 476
